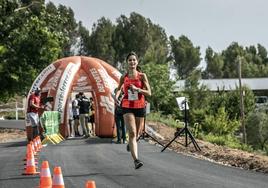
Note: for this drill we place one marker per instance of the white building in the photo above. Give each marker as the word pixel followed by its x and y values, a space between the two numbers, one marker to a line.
pixel 255 84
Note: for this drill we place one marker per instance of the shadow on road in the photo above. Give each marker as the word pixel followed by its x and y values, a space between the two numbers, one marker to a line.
pixel 21 178
pixel 98 140
pixel 14 144
pixel 82 141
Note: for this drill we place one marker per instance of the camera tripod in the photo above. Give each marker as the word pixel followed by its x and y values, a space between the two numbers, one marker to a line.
pixel 145 134
pixel 186 131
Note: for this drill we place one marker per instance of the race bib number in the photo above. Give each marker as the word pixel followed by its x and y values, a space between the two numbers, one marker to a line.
pixel 132 95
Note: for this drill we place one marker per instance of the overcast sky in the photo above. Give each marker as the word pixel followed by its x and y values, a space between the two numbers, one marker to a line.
pixel 214 23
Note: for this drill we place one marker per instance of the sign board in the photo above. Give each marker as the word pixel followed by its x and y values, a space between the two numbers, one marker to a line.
pixel 182 102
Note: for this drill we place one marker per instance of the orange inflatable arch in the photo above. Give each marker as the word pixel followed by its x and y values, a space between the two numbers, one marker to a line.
pixel 81 74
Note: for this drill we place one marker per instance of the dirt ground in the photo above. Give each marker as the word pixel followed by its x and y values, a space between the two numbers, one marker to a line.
pixel 7 135
pixel 211 152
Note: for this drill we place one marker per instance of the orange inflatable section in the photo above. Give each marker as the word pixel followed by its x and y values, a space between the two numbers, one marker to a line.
pixel 71 75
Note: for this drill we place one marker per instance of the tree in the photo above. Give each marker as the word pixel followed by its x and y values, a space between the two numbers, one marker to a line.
pixel 62 20
pixel 197 96
pixel 100 42
pixel 262 53
pixel 83 40
pixel 232 102
pixel 157 51
pixel 220 124
pixel 131 34
pixel 185 55
pixel 230 55
pixel 162 98
pixel 224 64
pixel 214 64
pixel 257 129
pixel 29 44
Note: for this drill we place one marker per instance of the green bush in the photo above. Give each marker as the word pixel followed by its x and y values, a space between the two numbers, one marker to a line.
pixel 218 129
pixel 257 129
pixel 266 149
pixel 219 140
pixel 227 140
pixel 219 124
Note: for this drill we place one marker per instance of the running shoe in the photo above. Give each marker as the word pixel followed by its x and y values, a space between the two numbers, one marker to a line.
pixel 138 164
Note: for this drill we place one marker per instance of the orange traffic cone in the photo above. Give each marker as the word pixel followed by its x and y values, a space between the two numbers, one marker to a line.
pixel 39 142
pixel 33 148
pixel 29 147
pixel 29 152
pixel 30 165
pixel 36 148
pixel 90 184
pixel 45 176
pixel 57 181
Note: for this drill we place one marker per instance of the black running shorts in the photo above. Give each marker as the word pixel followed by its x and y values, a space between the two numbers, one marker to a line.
pixel 138 112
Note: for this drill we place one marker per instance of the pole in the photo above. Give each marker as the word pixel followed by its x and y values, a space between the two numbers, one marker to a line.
pixel 185 121
pixel 16 110
pixel 242 113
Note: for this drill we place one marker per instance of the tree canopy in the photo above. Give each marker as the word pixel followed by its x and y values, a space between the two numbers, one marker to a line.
pixel 29 41
pixel 225 64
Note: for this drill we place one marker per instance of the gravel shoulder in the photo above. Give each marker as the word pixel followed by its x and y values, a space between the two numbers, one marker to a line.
pixel 9 135
pixel 212 152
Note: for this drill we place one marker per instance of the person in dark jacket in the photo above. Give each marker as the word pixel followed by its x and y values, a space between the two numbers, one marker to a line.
pixel 84 105
pixel 92 117
pixel 119 120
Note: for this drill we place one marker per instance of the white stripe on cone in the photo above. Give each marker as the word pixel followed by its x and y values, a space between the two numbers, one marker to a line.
pixel 33 149
pixel 39 143
pixel 30 162
pixel 45 173
pixel 35 145
pixel 58 180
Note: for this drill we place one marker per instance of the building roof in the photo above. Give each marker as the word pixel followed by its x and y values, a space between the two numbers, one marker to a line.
pixel 228 84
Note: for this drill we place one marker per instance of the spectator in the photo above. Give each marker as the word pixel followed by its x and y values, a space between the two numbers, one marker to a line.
pixel 75 109
pixel 32 112
pixel 92 117
pixel 119 120
pixel 70 117
pixel 84 105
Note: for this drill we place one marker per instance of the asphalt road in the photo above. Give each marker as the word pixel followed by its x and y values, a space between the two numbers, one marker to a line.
pixel 13 124
pixel 110 166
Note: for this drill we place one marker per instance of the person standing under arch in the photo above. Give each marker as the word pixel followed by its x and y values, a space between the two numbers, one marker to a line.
pixel 84 105
pixel 75 109
pixel 135 87
pixel 92 117
pixel 70 117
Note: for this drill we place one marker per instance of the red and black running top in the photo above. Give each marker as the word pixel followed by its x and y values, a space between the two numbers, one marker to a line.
pixel 139 102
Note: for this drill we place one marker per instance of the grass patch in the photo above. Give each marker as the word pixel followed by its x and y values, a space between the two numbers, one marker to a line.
pixel 168 120
pixel 227 140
